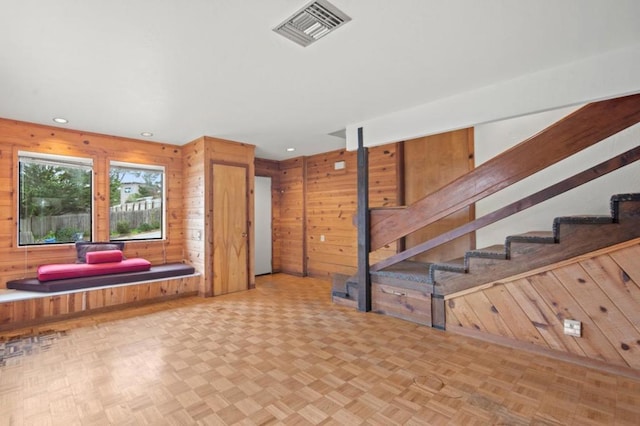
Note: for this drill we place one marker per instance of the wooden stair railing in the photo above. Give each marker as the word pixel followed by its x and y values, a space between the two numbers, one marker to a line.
pixel 590 174
pixel 577 131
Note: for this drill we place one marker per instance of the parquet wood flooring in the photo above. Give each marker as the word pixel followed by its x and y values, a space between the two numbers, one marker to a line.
pixel 284 354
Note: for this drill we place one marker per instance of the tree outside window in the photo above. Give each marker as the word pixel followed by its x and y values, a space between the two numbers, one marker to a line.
pixel 55 199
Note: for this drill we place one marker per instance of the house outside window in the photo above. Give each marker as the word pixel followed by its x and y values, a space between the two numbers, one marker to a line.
pixel 55 199
pixel 137 200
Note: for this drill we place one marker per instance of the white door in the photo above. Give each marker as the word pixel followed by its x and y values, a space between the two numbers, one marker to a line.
pixel 262 223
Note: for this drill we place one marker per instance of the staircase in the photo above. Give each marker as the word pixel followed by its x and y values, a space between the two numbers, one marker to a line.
pixel 415 291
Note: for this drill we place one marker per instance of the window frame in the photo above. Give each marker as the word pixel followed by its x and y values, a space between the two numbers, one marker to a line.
pixel 163 210
pixel 70 161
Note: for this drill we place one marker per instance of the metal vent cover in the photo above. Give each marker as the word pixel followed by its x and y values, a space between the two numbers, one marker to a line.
pixel 312 22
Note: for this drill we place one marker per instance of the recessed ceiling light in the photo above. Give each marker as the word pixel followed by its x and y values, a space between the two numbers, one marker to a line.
pixel 146 134
pixel 290 149
pixel 60 120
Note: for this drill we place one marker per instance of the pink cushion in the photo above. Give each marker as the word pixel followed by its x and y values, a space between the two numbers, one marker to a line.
pixel 58 271
pixel 105 256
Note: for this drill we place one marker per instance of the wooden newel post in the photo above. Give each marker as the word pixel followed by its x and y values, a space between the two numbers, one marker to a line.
pixel 364 238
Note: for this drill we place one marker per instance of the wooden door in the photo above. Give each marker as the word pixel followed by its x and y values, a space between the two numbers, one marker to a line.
pixel 230 229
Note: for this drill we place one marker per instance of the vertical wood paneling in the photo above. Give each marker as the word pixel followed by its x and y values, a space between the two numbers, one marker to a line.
pixel 194 213
pixel 599 291
pixel 198 157
pixel 292 216
pixel 331 204
pixel 19 262
pixel 429 164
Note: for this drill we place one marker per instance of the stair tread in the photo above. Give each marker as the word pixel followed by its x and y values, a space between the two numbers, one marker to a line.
pixel 452 262
pixel 493 248
pixel 541 234
pixel 497 251
pixel 585 218
pixel 408 270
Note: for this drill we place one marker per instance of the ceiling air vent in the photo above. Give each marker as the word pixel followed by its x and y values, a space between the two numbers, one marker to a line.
pixel 315 20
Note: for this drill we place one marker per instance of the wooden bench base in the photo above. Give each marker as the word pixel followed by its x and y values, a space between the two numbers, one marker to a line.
pixel 23 308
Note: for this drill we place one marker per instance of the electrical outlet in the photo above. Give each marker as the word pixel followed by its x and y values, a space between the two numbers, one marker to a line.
pixel 572 328
pixel 322 238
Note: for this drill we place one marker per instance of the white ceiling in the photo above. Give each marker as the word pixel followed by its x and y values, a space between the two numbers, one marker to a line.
pixel 183 69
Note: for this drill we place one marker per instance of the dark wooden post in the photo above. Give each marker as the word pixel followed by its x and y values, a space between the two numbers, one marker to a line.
pixel 364 239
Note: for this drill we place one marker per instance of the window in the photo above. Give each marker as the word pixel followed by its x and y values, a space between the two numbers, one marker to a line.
pixel 136 202
pixel 55 199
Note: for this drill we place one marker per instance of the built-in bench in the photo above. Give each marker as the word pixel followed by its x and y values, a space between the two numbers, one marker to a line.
pixel 31 301
pixel 156 272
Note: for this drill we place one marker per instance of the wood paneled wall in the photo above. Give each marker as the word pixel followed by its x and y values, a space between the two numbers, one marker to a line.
pixel 198 156
pixel 194 210
pixel 19 262
pixel 429 164
pixel 602 290
pixel 316 200
pixel 332 205
pixel 292 233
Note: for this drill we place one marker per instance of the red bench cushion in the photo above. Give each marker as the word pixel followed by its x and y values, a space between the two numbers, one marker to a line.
pixel 58 271
pixel 105 256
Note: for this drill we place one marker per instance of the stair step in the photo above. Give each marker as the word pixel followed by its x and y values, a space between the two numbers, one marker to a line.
pixel 407 270
pixel 580 220
pixel 343 286
pixel 537 237
pixel 492 252
pixel 454 265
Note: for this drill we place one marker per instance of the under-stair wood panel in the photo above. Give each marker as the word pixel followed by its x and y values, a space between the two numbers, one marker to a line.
pixel 601 290
pixel 611 321
pixel 628 260
pixel 592 123
pixel 541 315
pixel 607 274
pixel 565 306
pixel 505 304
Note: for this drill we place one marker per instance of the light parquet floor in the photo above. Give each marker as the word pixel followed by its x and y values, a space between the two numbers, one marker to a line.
pixel 284 354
